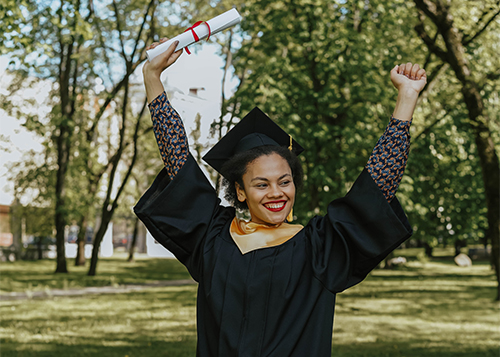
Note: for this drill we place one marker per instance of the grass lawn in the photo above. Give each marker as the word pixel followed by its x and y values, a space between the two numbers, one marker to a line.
pixel 429 308
pixel 38 275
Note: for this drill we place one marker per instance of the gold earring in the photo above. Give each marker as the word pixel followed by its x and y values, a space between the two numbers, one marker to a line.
pixel 289 218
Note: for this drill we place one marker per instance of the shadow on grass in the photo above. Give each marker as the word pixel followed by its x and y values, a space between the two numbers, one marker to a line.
pixel 187 347
pixel 408 350
pixel 184 347
pixel 39 275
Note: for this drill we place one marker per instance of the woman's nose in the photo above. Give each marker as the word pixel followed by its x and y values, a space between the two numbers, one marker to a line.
pixel 275 191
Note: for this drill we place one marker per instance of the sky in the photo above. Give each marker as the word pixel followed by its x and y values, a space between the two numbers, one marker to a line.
pixel 202 69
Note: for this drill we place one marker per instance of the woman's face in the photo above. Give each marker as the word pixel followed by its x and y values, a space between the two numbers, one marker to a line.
pixel 268 189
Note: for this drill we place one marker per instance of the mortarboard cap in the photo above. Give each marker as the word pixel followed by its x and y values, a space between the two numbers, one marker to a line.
pixel 255 129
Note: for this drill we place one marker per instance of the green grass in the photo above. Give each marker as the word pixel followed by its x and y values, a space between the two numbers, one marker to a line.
pixel 157 322
pixel 23 276
pixel 425 309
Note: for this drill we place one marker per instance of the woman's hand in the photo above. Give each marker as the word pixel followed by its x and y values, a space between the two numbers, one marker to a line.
pixel 409 80
pixel 152 70
pixel 408 76
pixel 162 61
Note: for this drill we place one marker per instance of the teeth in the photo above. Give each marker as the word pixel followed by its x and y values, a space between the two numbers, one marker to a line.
pixel 275 205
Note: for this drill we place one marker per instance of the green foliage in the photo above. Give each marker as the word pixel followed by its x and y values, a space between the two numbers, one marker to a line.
pixel 321 69
pixel 13 15
pixel 446 198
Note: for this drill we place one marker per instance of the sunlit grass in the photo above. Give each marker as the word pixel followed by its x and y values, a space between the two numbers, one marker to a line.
pixel 23 276
pixel 424 309
pixel 156 322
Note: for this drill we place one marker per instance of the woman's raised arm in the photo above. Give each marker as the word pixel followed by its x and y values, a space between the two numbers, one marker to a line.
pixel 167 124
pixel 388 160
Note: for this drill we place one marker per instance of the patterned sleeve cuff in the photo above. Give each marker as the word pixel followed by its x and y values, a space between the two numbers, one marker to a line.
pixel 170 134
pixel 388 160
pixel 400 125
pixel 157 104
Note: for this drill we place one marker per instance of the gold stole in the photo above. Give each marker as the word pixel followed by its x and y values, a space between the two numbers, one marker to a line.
pixel 250 236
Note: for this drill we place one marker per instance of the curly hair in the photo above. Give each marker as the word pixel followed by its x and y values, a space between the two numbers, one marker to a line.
pixel 234 169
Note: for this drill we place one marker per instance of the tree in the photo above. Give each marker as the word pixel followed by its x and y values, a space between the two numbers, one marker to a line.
pixel 455 46
pixel 322 74
pixel 51 47
pixel 321 69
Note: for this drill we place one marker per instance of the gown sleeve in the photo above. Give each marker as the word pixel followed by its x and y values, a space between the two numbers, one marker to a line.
pixel 180 213
pixel 362 228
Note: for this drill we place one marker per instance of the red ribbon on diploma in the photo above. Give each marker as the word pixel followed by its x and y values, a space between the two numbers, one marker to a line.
pixel 196 38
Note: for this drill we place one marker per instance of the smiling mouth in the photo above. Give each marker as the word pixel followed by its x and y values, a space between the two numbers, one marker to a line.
pixel 275 206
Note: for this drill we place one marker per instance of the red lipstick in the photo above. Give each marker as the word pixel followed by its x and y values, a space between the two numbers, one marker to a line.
pixel 275 206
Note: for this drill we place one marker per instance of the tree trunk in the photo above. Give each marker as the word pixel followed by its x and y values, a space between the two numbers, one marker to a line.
pixel 80 253
pixel 134 240
pixel 60 215
pixel 106 218
pixel 479 121
pixel 459 244
pixel 109 207
pixel 39 244
pixel 428 250
pixel 62 136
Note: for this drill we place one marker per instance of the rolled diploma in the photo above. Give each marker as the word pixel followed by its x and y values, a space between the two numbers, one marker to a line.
pixel 217 24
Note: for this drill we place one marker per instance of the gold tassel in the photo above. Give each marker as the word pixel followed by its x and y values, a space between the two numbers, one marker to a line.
pixel 290 146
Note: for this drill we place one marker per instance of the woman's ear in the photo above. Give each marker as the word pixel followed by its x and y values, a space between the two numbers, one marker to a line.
pixel 240 192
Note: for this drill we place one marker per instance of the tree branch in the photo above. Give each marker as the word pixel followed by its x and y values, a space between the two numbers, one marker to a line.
pixel 131 66
pixel 431 45
pixel 139 34
pixel 134 158
pixel 492 76
pixel 466 40
pixel 119 29
pixel 428 58
pixel 429 8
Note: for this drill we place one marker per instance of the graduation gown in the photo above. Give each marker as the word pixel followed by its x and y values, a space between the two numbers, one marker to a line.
pixel 275 301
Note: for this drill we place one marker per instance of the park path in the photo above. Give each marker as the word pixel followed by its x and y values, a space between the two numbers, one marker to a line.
pixel 93 290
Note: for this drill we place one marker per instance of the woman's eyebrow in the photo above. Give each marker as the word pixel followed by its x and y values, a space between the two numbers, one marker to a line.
pixel 265 179
pixel 259 178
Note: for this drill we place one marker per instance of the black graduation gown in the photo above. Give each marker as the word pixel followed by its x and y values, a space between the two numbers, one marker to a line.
pixel 275 301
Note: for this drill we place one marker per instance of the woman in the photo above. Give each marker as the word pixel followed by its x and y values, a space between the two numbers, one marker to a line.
pixel 267 287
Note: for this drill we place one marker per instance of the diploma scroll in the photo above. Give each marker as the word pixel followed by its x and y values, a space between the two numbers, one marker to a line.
pixel 217 24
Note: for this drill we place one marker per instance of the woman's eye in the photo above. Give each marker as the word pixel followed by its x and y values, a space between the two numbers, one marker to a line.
pixel 261 185
pixel 284 183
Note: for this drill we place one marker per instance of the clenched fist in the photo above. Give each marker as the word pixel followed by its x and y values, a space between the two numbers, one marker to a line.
pixel 408 76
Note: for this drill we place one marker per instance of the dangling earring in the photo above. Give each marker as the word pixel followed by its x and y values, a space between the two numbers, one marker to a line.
pixel 289 218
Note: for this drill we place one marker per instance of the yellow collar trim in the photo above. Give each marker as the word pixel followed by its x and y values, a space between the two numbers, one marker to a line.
pixel 250 236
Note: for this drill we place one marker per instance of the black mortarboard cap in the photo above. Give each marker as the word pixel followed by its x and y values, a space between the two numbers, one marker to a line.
pixel 255 129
